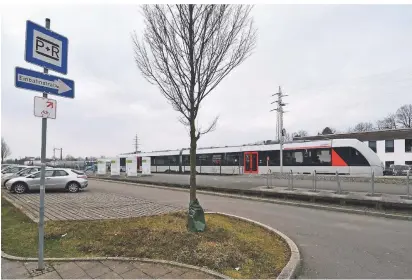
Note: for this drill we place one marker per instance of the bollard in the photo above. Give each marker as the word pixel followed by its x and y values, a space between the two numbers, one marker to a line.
pixel 291 180
pixel 337 180
pixel 373 182
pixel 271 179
pixel 288 175
pixel 267 179
pixel 407 184
pixel 314 181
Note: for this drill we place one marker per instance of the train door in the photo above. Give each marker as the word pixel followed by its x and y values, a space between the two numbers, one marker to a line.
pixel 139 163
pixel 250 162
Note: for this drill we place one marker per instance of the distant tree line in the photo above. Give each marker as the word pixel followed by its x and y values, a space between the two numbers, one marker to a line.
pixel 402 118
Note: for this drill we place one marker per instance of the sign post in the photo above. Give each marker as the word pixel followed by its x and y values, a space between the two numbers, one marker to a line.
pixel 49 50
pixel 40 265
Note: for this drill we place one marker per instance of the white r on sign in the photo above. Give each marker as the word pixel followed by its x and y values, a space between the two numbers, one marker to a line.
pixel 45 107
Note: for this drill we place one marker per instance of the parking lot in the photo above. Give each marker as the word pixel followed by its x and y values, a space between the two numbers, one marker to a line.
pixel 87 205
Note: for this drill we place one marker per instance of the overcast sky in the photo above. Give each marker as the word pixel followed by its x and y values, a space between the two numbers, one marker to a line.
pixel 338 64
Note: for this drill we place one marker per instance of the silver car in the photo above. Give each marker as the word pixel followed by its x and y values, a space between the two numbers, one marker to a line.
pixel 22 173
pixel 57 178
pixel 4 166
pixel 12 170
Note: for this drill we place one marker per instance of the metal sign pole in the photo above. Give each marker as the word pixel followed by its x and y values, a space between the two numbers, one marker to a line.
pixel 40 265
pixel 280 129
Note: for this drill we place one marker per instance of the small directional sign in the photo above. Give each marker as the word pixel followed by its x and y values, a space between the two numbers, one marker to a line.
pixel 45 107
pixel 46 48
pixel 32 80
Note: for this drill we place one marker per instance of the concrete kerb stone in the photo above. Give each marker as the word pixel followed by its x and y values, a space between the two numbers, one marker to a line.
pixel 272 200
pixel 177 264
pixel 290 271
pixel 292 268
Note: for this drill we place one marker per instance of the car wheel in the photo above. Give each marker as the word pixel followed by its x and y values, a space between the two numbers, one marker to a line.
pixel 73 187
pixel 19 188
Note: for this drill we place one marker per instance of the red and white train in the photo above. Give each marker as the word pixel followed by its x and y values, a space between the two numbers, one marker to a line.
pixel 347 156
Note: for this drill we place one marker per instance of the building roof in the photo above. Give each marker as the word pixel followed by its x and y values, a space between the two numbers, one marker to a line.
pixel 389 134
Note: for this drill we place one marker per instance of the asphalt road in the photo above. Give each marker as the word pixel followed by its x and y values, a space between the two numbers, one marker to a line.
pixel 333 244
pixel 251 181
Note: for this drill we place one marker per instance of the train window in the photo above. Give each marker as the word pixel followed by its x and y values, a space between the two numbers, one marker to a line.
pixel 233 159
pixel 297 157
pixel 186 160
pixel 323 157
pixel 172 160
pixel 161 161
pixel 274 159
pixel 351 156
pixel 204 160
pixel 288 158
pixel 217 159
pixel 389 146
pixel 408 145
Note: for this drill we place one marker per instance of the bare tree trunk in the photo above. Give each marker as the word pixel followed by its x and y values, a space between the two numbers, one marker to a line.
pixel 193 144
pixel 187 50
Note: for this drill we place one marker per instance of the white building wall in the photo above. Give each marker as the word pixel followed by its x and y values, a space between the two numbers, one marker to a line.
pixel 399 156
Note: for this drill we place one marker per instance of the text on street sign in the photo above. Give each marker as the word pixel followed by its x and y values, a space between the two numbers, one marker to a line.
pixel 46 48
pixel 32 80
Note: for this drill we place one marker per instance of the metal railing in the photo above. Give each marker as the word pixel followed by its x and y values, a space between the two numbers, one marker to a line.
pixel 271 178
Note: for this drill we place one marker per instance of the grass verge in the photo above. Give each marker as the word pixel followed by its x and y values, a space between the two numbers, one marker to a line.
pixel 226 244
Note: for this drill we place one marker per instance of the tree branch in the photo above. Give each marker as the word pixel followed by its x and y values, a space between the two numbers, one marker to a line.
pixel 210 128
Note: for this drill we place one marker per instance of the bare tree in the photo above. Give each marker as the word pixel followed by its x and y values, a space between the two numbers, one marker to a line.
pixel 300 133
pixel 5 150
pixel 287 136
pixel 362 127
pixel 328 130
pixel 70 158
pixel 187 50
pixel 404 116
pixel 387 123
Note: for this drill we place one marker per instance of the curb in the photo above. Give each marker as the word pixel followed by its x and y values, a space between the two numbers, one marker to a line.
pixel 291 270
pixel 274 201
pixel 205 270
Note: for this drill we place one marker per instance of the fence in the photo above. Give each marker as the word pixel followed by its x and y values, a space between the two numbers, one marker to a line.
pixel 291 177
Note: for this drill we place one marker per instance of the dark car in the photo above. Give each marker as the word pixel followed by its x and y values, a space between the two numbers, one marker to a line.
pixel 388 172
pixel 399 170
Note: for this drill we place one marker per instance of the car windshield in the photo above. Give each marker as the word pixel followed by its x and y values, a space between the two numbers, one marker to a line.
pixel 15 169
pixel 77 172
pixel 7 168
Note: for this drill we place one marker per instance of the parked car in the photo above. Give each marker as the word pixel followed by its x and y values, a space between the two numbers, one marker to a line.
pixel 91 169
pixel 399 170
pixel 13 169
pixel 388 172
pixel 57 178
pixel 5 165
pixel 24 172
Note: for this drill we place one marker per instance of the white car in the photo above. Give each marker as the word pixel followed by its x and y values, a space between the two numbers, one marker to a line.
pixel 22 173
